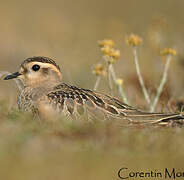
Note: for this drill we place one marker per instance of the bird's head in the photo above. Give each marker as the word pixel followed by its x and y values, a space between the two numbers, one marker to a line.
pixel 37 71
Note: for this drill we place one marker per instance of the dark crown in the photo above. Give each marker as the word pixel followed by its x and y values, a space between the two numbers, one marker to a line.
pixel 40 59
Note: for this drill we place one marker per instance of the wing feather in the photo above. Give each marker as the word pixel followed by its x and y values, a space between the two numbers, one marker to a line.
pixel 80 101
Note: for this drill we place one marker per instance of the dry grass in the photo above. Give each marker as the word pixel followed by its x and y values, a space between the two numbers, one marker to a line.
pixel 67 150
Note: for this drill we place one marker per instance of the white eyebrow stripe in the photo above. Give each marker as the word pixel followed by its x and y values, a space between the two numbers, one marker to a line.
pixel 46 65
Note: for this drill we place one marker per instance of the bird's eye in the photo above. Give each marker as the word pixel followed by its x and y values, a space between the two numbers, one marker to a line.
pixel 35 67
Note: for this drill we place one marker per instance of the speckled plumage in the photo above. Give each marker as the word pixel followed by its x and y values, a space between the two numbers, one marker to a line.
pixel 70 100
pixel 48 98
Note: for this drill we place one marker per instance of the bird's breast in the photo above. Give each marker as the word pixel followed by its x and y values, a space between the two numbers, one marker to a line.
pixel 29 98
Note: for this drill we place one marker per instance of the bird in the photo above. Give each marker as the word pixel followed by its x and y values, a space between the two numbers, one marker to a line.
pixel 45 95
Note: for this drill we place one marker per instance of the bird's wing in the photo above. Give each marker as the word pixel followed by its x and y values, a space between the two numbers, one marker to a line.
pixel 73 100
pixel 134 115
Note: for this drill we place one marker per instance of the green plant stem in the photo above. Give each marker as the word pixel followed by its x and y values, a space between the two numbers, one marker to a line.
pixel 97 82
pixel 109 78
pixel 162 83
pixel 140 76
pixel 111 73
pixel 108 74
pixel 120 89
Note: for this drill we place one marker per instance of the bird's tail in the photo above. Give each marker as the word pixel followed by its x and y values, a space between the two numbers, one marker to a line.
pixel 154 118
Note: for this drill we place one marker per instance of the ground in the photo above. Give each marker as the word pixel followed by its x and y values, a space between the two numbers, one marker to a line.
pixel 70 150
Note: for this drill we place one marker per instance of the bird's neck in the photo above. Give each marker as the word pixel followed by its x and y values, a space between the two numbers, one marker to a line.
pixel 45 84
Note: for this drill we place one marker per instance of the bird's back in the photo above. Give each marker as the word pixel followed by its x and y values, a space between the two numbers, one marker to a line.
pixel 77 101
pixel 72 101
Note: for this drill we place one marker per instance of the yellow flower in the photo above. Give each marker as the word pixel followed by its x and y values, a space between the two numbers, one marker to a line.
pixel 99 70
pixel 111 54
pixel 106 42
pixel 106 50
pixel 168 51
pixel 119 81
pixel 115 54
pixel 134 40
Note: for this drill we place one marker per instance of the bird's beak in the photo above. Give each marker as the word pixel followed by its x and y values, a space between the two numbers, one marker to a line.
pixel 12 76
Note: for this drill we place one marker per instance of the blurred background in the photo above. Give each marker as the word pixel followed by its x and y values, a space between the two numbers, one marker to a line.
pixel 68 31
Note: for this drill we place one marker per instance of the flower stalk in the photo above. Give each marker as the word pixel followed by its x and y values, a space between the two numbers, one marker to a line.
pixel 97 83
pixel 119 83
pixel 162 83
pixel 111 55
pixel 141 81
pixel 109 78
